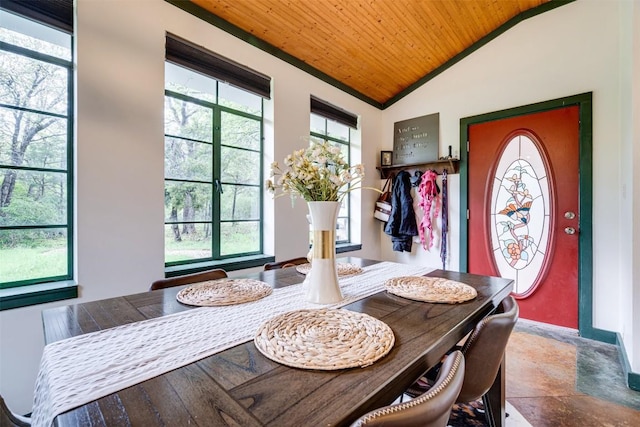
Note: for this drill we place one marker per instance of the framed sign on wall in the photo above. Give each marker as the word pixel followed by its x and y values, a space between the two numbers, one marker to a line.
pixel 416 140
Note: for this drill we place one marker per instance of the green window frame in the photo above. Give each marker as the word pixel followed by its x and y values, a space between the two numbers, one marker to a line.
pixel 329 123
pixel 36 151
pixel 213 161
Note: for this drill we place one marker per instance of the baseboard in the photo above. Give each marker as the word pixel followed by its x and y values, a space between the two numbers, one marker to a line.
pixel 633 379
pixel 599 335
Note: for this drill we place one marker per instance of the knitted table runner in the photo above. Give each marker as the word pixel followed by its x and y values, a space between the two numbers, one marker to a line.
pixel 81 369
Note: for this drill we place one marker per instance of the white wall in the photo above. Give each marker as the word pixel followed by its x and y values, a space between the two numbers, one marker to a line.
pixel 631 320
pixel 570 50
pixel 120 161
pixel 120 83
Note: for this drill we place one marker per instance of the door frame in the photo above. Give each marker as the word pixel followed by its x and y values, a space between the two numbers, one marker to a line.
pixel 585 198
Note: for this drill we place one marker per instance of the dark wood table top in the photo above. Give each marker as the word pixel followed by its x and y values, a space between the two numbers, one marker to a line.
pixel 241 387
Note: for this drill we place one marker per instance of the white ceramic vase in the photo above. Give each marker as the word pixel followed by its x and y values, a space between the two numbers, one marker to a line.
pixel 322 280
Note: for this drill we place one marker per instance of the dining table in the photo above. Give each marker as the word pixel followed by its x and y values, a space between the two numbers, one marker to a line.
pixel 240 386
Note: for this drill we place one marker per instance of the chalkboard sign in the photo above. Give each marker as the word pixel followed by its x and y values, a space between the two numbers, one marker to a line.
pixel 416 140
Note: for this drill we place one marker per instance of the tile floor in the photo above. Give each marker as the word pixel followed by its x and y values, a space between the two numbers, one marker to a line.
pixel 555 378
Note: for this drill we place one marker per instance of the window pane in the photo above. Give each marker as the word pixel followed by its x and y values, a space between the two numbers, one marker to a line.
pixel 44 148
pixel 240 166
pixel 337 130
pixel 239 238
pixel 344 207
pixel 315 139
pixel 242 132
pixel 240 202
pixel 32 198
pixel 189 120
pixel 32 254
pixel 185 159
pixel 181 246
pixel 31 35
pixel 187 82
pixel 187 201
pixel 239 99
pixel 342 230
pixel 33 84
pixel 318 124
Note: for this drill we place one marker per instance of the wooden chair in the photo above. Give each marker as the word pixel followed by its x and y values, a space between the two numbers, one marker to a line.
pixel 9 419
pixel 430 409
pixel 483 352
pixel 188 279
pixel 285 264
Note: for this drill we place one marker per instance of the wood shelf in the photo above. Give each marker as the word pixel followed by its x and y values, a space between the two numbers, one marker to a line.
pixel 451 165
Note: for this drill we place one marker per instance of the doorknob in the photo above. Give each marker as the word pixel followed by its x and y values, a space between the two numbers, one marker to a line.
pixel 570 230
pixel 569 215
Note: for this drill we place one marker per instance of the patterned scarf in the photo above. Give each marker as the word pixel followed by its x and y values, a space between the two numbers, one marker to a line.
pixel 445 221
pixel 428 191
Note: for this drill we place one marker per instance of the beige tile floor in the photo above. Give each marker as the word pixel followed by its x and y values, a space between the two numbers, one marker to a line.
pixel 555 378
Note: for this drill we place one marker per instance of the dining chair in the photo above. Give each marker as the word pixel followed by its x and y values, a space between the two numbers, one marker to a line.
pixel 9 419
pixel 285 264
pixel 188 279
pixel 430 409
pixel 483 352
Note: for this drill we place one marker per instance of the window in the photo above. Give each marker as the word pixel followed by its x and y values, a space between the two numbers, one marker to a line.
pixel 213 160
pixel 36 155
pixel 328 123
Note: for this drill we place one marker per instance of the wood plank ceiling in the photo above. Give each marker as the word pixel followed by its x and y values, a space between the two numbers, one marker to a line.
pixel 376 48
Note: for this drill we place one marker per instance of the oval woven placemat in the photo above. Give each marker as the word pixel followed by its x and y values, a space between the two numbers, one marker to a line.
pixel 324 339
pixel 223 292
pixel 431 289
pixel 343 268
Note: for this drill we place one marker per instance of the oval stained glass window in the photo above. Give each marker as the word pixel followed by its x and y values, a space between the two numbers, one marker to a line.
pixel 520 213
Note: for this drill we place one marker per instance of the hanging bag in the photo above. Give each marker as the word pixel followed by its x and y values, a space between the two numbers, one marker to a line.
pixel 382 209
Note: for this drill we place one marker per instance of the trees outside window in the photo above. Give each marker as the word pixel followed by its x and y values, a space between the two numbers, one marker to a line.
pixel 35 152
pixel 213 169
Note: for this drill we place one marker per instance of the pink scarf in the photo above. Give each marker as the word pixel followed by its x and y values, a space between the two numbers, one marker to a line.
pixel 428 191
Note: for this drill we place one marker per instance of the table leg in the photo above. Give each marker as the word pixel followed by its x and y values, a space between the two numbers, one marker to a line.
pixel 494 400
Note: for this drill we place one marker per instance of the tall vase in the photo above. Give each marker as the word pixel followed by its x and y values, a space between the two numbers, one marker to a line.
pixel 322 280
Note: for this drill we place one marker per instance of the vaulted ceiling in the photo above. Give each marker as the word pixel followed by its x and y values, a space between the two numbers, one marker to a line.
pixel 377 50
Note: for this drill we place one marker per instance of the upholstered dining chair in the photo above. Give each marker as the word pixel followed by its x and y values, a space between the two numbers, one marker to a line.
pixel 483 352
pixel 430 409
pixel 9 419
pixel 188 279
pixel 285 264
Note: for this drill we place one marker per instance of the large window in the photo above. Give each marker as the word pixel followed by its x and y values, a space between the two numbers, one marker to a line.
pixel 213 168
pixel 35 144
pixel 336 126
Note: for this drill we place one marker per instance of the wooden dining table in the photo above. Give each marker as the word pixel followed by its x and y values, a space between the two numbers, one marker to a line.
pixel 241 387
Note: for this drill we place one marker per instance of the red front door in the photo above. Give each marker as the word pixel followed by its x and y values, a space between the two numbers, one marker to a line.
pixel 524 211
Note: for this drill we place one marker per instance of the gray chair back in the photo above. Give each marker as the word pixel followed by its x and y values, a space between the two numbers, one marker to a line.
pixel 430 409
pixel 285 264
pixel 484 350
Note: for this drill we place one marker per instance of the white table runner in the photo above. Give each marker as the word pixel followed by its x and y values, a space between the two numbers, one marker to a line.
pixel 81 369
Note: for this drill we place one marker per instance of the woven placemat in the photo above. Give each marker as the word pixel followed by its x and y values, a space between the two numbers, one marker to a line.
pixel 343 268
pixel 223 292
pixel 324 339
pixel 430 289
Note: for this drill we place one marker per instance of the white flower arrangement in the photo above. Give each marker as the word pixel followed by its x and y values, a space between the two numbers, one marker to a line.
pixel 318 173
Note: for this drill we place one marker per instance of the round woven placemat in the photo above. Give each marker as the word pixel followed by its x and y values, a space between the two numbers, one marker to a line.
pixel 224 292
pixel 343 268
pixel 431 289
pixel 324 339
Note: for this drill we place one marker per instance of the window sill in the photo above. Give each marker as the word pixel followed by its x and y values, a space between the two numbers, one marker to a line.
pixel 348 247
pixel 227 264
pixel 23 296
